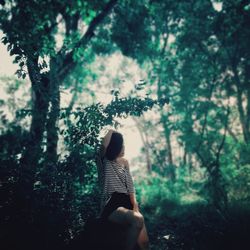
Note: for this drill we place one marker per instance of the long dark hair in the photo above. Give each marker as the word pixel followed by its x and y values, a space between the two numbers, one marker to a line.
pixel 115 146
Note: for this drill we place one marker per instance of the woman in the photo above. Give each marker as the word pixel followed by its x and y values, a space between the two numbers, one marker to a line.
pixel 118 196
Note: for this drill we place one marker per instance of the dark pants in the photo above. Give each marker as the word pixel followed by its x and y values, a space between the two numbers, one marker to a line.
pixel 116 200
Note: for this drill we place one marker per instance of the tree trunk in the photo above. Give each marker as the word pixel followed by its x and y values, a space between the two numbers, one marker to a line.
pixel 33 148
pixel 244 119
pixel 53 118
pixel 74 97
pixel 60 67
pixel 247 82
pixel 172 174
pixel 248 112
pixel 167 134
pixel 144 138
pixel 216 187
pixel 169 146
pixel 40 103
pixel 190 163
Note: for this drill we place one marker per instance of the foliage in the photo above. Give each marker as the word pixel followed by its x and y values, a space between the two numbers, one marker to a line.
pixel 196 58
pixel 195 64
pixel 237 183
pixel 180 218
pixel 62 192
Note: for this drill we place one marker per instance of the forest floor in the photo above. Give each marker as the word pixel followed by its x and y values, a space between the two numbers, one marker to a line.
pixel 200 229
pixel 191 227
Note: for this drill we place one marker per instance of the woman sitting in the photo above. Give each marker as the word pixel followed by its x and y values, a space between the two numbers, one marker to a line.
pixel 118 194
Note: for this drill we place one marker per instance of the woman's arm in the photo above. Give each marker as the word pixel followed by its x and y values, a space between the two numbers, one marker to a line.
pixel 107 137
pixel 134 202
pixel 105 141
pixel 131 188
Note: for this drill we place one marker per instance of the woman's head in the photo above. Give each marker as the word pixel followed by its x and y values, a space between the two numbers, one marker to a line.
pixel 116 147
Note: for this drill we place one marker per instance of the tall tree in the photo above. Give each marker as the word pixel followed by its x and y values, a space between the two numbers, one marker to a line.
pixel 231 30
pixel 30 29
pixel 202 71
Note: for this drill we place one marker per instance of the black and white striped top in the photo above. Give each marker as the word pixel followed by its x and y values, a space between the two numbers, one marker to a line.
pixel 114 178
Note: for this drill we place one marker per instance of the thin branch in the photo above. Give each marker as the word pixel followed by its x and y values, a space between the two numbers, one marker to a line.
pixel 205 118
pixel 224 134
pixel 232 134
pixel 68 63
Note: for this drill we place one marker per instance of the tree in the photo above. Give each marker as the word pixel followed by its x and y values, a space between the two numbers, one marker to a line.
pixel 30 29
pixel 202 70
pixel 197 70
pixel 41 29
pixel 233 38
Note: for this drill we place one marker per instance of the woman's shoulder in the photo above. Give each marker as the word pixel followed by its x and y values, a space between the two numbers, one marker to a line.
pixel 123 161
pixel 120 162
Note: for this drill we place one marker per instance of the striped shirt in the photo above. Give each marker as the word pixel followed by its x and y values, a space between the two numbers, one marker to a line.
pixel 114 178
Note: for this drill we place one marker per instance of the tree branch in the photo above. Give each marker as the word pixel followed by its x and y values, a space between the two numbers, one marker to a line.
pixel 239 92
pixel 224 135
pixel 68 63
pixel 247 82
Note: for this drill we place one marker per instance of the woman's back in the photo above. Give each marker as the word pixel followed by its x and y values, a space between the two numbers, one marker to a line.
pixel 116 178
